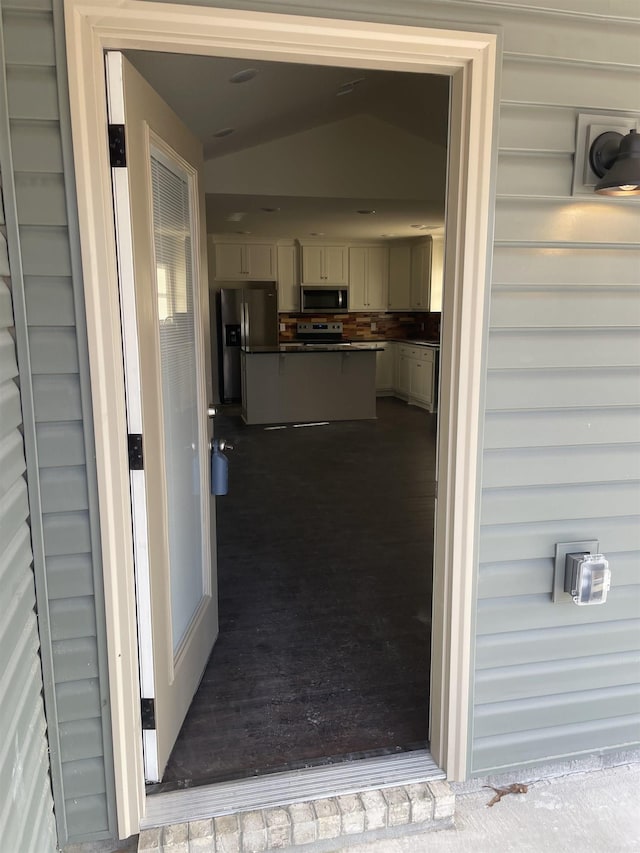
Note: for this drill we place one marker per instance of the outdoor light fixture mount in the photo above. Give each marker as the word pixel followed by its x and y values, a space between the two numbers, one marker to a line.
pixel 615 159
pixel 607 155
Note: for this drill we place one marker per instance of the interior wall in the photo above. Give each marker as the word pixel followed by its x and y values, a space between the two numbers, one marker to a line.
pixel 359 157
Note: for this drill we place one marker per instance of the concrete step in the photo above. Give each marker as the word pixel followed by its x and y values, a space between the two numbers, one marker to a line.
pixel 314 826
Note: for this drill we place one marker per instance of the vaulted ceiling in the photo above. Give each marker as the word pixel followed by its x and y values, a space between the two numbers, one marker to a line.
pixel 280 100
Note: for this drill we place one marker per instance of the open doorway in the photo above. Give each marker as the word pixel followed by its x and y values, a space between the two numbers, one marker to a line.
pixel 324 571
pixel 325 540
pixel 470 59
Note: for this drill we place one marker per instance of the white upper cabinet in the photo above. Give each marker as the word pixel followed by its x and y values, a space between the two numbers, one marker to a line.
pixel 288 289
pixel 399 278
pixel 245 261
pixel 377 278
pixel 420 275
pixel 325 265
pixel 368 278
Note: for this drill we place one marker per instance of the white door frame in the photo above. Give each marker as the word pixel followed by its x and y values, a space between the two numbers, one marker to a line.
pixel 93 26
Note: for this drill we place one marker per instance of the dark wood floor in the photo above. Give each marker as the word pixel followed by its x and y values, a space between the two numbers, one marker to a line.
pixel 324 567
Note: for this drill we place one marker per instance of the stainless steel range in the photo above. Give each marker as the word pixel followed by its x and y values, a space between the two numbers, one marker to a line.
pixel 319 333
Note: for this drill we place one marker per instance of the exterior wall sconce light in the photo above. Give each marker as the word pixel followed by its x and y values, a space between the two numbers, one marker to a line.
pixel 615 159
pixel 607 155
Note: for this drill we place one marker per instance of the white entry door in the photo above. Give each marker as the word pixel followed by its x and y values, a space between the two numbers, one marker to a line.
pixel 160 223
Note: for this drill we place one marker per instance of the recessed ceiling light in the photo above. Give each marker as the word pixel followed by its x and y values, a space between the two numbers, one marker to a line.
pixel 270 209
pixel 243 76
pixel 365 212
pixel 236 217
pixel 226 131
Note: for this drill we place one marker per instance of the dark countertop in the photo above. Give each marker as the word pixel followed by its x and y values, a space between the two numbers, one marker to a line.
pixel 418 342
pixel 295 347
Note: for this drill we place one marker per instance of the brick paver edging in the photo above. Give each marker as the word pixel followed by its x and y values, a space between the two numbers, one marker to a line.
pixel 317 825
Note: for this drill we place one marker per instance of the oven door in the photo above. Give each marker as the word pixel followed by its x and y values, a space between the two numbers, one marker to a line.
pixel 324 300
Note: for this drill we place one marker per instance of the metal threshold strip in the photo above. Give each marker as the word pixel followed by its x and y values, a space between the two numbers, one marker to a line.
pixel 291 786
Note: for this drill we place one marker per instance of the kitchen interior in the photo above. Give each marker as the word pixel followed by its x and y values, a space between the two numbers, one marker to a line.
pixel 325 192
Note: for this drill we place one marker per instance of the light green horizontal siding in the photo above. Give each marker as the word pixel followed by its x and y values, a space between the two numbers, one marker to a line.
pixel 550 644
pixel 70 575
pixel 563 416
pixel 540 503
pixel 554 63
pixel 534 576
pixel 26 807
pixel 41 199
pixel 532 540
pixel 553 307
pixel 569 738
pixel 520 612
pixel 81 739
pixel 560 427
pixel 37 147
pixel 64 489
pixel 527 680
pixel 554 466
pixel 541 220
pixel 62 443
pixel 69 544
pixel 49 301
pixel 582 706
pixel 548 81
pixel 584 266
pixel 563 347
pixel 589 387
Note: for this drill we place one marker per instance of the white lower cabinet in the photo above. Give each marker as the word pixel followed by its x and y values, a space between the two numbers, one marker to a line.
pixel 403 384
pixel 385 370
pixel 415 376
pixel 421 380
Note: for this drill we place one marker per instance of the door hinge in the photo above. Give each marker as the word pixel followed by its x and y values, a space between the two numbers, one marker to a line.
pixel 117 151
pixel 148 713
pixel 136 460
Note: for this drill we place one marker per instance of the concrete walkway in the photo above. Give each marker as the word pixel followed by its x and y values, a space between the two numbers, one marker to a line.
pixel 583 812
pixel 596 812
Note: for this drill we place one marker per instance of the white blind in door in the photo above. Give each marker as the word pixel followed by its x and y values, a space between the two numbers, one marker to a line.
pixel 172 229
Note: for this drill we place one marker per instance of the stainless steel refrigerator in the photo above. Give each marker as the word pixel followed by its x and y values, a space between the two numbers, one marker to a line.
pixel 247 316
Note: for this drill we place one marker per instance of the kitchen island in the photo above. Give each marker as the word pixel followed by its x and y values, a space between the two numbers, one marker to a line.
pixel 303 383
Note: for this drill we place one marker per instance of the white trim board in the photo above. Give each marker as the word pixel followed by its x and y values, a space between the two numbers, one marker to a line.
pixel 93 26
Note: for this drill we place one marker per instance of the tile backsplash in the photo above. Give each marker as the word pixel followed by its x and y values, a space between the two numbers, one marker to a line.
pixel 388 325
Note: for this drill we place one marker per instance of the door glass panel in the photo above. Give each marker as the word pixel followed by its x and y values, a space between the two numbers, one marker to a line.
pixel 176 301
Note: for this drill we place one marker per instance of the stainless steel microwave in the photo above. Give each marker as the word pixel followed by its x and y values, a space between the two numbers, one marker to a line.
pixel 325 300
